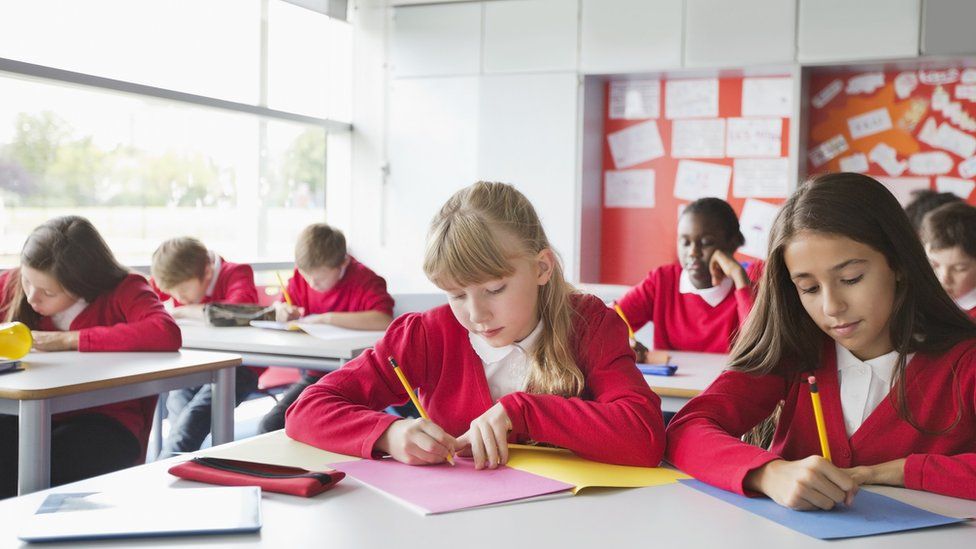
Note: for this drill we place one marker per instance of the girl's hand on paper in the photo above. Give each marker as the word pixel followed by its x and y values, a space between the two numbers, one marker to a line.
pixel 804 485
pixel 416 442
pixel 723 265
pixel 55 341
pixel 285 312
pixel 487 438
pixel 891 473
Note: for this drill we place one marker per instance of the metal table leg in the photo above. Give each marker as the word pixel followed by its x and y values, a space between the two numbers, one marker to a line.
pixel 34 446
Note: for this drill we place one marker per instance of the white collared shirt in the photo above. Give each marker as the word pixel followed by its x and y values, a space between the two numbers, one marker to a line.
pixel 506 368
pixel 863 384
pixel 216 273
pixel 62 321
pixel 713 296
pixel 967 301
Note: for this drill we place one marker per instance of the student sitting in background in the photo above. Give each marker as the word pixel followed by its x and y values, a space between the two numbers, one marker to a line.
pixel 949 235
pixel 923 202
pixel 184 270
pixel 847 296
pixel 700 302
pixel 516 355
pixel 329 287
pixel 74 295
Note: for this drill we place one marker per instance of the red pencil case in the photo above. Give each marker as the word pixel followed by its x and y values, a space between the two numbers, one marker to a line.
pixel 273 478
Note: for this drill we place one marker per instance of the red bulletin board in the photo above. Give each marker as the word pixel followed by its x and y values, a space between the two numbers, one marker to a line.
pixel 924 122
pixel 636 240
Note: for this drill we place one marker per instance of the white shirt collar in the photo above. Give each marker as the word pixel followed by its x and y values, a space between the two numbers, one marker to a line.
pixel 63 320
pixel 216 273
pixel 489 354
pixel 967 301
pixel 713 296
pixel 883 366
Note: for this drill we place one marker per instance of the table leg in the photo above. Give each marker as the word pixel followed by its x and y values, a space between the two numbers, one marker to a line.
pixel 34 446
pixel 222 427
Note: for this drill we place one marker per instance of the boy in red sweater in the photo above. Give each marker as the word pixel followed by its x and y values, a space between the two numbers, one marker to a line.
pixel 330 287
pixel 184 270
pixel 949 235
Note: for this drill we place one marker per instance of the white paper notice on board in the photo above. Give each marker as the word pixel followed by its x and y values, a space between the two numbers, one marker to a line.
pixel 760 177
pixel 691 98
pixel 755 222
pixel 635 144
pixel 930 163
pixel 865 83
pixel 828 150
pixel 903 187
pixel 828 93
pixel 967 168
pixel 955 141
pixel 751 137
pixel 857 162
pixel 698 138
pixel 635 99
pixel 869 123
pixel 767 97
pixel 696 180
pixel 959 187
pixel 905 84
pixel 886 156
pixel 628 189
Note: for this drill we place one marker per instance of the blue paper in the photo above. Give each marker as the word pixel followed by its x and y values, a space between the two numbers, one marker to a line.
pixel 871 514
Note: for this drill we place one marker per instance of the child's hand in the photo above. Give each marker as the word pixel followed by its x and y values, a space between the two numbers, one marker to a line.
pixel 55 341
pixel 285 312
pixel 723 265
pixel 416 442
pixel 188 312
pixel 804 485
pixel 487 439
pixel 891 473
pixel 640 350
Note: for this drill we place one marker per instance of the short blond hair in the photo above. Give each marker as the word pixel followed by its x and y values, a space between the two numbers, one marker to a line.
pixel 177 260
pixel 320 245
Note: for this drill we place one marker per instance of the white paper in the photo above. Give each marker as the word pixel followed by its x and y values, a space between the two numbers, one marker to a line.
pixel 755 223
pixel 967 168
pixel 934 78
pixel 328 332
pixel 636 144
pixel 696 180
pixel 828 150
pixel 903 187
pixel 940 99
pixel 966 92
pixel 865 83
pixel 754 137
pixel 635 99
pixel 825 95
pixel 959 187
pixel 968 76
pixel 691 98
pixel 857 163
pixel 698 138
pixel 905 84
pixel 929 133
pixel 767 97
pixel 886 156
pixel 760 177
pixel 629 189
pixel 869 123
pixel 930 163
pixel 955 141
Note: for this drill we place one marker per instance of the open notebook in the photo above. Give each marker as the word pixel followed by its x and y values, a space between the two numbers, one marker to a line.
pixel 320 331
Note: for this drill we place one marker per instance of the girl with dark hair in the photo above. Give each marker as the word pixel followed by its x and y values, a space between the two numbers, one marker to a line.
pixel 74 295
pixel 698 303
pixel 847 295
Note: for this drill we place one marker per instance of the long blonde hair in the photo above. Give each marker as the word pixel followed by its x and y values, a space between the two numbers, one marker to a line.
pixel 463 249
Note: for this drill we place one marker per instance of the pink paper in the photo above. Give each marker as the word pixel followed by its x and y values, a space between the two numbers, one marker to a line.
pixel 442 488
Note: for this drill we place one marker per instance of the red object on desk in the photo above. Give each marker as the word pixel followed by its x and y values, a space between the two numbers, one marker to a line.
pixel 273 478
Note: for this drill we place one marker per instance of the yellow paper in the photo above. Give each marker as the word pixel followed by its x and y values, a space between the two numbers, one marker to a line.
pixel 276 448
pixel 563 465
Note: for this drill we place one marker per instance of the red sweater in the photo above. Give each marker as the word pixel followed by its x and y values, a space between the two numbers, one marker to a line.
pixel 235 284
pixel 128 318
pixel 703 438
pixel 684 322
pixel 617 419
pixel 360 289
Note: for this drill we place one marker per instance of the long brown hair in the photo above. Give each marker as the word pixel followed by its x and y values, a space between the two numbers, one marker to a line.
pixel 780 337
pixel 70 250
pixel 464 248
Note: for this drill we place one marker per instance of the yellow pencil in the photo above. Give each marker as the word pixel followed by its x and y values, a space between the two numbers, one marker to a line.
pixel 630 331
pixel 818 415
pixel 284 290
pixel 413 397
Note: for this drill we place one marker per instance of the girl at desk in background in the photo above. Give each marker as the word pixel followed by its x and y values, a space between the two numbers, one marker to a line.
pixel 847 296
pixel 516 355
pixel 74 295
pixel 700 302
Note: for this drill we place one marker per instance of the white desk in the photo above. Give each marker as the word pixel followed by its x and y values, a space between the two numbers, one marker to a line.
pixel 696 371
pixel 352 515
pixel 65 381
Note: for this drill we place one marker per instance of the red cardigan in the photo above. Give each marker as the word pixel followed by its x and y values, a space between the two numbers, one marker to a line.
pixel 235 284
pixel 128 318
pixel 703 438
pixel 684 322
pixel 360 289
pixel 617 419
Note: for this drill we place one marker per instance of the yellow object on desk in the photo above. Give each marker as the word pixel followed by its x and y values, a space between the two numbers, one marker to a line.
pixel 819 418
pixel 15 340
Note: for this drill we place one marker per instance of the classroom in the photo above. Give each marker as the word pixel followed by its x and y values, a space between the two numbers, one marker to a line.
pixel 430 273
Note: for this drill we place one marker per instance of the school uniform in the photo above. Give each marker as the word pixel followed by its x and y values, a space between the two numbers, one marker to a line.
pixel 861 417
pixel 968 303
pixel 189 410
pixel 359 289
pixel 112 436
pixel 616 420
pixel 686 318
